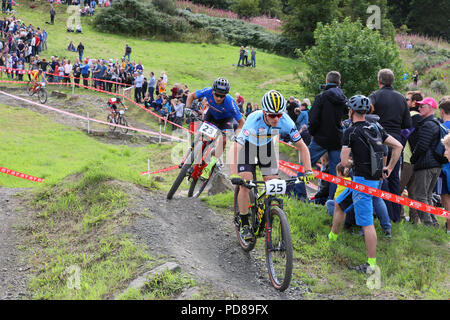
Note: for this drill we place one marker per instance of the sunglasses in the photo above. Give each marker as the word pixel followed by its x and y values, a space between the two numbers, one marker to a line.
pixel 221 96
pixel 274 116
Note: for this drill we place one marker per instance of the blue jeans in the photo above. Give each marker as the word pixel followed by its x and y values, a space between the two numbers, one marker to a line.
pixel 316 151
pixel 381 211
pixel 392 185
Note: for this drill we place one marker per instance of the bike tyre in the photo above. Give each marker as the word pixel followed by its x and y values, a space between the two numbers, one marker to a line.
pixel 29 86
pixel 42 95
pixel 196 193
pixel 285 267
pixel 111 120
pixel 123 122
pixel 245 245
pixel 178 180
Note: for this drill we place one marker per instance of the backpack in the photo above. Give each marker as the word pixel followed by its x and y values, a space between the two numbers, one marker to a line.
pixel 439 149
pixel 376 147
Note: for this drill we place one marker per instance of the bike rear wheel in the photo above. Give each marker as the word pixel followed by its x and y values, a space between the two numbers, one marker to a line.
pixel 42 95
pixel 123 122
pixel 246 245
pixel 110 119
pixel 279 250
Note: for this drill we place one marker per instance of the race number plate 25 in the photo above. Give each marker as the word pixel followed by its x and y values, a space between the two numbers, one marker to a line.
pixel 275 186
pixel 208 129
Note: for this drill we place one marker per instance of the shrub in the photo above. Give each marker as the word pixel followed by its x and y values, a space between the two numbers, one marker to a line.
pixel 439 87
pixel 357 52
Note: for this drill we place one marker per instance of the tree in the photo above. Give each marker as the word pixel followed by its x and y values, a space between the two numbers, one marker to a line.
pixel 301 21
pixel 270 8
pixel 246 8
pixel 357 52
pixel 429 17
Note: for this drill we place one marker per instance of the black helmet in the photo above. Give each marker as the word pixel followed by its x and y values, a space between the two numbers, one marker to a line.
pixel 221 85
pixel 359 103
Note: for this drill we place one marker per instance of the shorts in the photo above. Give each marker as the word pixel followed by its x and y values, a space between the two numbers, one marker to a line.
pixel 264 156
pixel 363 203
pixel 221 124
pixel 345 200
pixel 443 182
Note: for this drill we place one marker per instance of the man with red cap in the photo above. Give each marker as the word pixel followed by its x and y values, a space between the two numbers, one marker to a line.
pixel 426 167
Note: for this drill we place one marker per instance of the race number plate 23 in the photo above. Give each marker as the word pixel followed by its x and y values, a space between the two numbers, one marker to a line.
pixel 275 186
pixel 208 129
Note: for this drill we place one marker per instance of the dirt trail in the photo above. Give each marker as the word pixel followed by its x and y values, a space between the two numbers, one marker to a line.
pixel 184 230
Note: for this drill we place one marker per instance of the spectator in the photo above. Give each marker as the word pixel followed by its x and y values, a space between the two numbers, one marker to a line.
pixel 248 109
pixel 325 125
pixel 246 56
pixel 426 168
pixel 185 93
pixel 77 72
pixel 241 56
pixel 151 86
pixel 71 47
pixel 416 78
pixel 394 115
pixel 80 50
pixel 177 113
pixel 293 108
pixel 303 118
pixel 67 71
pixel 85 71
pixel 407 172
pixel 52 14
pixel 444 109
pixel 240 102
pixel 3 6
pixel 253 57
pixel 127 52
pixel 138 82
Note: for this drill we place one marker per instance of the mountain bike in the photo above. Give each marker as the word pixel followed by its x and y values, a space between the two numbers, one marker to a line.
pixel 268 219
pixel 194 161
pixel 120 120
pixel 40 90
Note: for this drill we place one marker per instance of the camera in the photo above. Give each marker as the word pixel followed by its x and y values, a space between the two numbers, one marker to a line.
pixel 322 86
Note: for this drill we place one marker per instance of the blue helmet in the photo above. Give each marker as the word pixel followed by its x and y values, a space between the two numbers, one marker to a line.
pixel 359 103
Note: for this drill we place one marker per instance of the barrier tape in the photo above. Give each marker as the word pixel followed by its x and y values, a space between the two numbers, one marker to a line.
pixel 91 119
pixel 20 175
pixel 371 191
pixel 21 71
pixel 110 93
pixel 160 171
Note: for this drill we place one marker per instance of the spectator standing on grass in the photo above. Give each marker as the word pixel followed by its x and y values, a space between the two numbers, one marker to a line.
pixel 241 56
pixel 3 6
pixel 80 50
pixel 127 52
pixel 444 191
pixel 52 14
pixel 77 72
pixel 416 78
pixel 138 82
pixel 293 108
pixel 325 127
pixel 363 174
pixel 426 168
pixel 393 111
pixel 253 57
pixel 151 86
pixel 67 71
pixel 407 172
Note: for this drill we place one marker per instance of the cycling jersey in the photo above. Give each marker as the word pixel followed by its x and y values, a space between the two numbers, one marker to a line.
pixel 225 110
pixel 258 133
pixel 35 75
pixel 112 103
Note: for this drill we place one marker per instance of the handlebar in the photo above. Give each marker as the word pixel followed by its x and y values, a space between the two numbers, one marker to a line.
pixel 251 184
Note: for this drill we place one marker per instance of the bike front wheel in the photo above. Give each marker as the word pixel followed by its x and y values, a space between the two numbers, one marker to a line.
pixel 42 95
pixel 279 250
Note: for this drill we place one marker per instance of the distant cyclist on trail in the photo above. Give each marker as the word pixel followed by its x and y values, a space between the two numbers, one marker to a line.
pixel 221 112
pixel 255 140
pixel 35 77
pixel 112 106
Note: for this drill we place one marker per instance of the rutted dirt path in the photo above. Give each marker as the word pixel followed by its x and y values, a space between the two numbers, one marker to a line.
pixel 184 230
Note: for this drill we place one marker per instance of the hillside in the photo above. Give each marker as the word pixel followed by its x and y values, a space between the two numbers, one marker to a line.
pixel 96 212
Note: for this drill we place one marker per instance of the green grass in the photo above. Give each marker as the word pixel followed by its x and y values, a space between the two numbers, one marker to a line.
pixel 196 64
pixel 413 264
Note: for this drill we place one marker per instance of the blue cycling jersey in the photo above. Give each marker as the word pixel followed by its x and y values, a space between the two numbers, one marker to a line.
pixel 225 110
pixel 257 132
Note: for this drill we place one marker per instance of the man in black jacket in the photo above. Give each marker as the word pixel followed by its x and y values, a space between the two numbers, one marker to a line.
pixel 325 125
pixel 426 168
pixel 393 111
